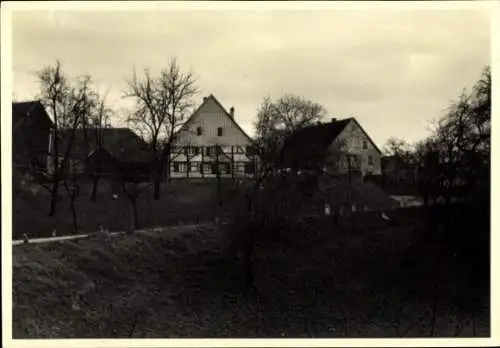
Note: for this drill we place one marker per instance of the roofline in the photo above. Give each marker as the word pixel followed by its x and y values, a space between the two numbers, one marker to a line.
pixel 28 101
pixel 25 116
pixel 366 134
pixel 225 111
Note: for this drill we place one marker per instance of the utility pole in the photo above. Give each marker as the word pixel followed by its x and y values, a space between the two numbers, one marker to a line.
pixel 202 164
pixel 232 162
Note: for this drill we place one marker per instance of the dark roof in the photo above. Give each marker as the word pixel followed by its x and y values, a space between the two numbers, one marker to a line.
pixel 23 110
pixel 211 96
pixel 310 141
pixel 121 143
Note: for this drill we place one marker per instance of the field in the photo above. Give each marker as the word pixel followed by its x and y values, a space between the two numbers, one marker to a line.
pixel 366 277
pixel 181 201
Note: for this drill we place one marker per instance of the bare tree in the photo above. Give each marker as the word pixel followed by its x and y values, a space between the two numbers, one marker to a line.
pixel 402 157
pixel 162 104
pixel 72 190
pixel 458 153
pixel 290 112
pixel 265 199
pixel 68 106
pixel 397 147
pixel 134 180
pixel 99 121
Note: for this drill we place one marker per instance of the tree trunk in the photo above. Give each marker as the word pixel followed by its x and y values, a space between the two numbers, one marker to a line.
pixel 156 183
pixel 95 183
pixel 167 168
pixel 135 215
pixel 248 257
pixel 74 217
pixel 54 196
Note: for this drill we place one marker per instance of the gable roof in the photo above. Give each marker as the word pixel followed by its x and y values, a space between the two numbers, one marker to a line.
pixel 197 111
pixel 22 110
pixel 313 140
pixel 367 135
pixel 122 143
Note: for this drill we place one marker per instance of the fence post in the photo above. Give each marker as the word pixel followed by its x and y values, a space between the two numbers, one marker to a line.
pixel 327 209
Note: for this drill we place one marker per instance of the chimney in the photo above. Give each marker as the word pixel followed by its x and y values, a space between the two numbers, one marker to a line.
pixel 334 120
pixel 231 111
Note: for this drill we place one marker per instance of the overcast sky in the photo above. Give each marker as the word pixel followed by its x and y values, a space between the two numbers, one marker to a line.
pixel 394 71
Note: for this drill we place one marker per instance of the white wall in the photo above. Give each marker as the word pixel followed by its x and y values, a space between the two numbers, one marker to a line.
pixel 210 116
pixel 353 140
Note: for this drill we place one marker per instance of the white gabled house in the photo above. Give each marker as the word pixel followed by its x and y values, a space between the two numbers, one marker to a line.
pixel 211 143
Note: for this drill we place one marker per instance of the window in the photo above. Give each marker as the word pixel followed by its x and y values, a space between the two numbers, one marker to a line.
pixel 192 150
pixel 219 131
pixel 249 151
pixel 205 168
pixel 182 167
pixel 370 160
pixel 199 131
pixel 195 167
pixel 240 167
pixel 176 167
pixel 224 168
pixel 211 150
pixel 365 144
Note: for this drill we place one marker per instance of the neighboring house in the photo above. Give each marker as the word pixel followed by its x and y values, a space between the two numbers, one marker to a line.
pixel 31 128
pixel 211 143
pixel 101 151
pixel 337 147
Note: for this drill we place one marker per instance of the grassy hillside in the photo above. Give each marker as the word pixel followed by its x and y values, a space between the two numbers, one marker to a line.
pixel 186 201
pixel 181 201
pixel 363 278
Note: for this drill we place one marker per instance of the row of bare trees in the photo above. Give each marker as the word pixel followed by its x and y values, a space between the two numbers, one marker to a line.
pixel 454 161
pixel 162 103
pixel 73 106
pixel 77 108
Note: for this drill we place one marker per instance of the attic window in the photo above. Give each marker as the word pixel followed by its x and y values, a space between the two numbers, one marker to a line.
pixel 219 131
pixel 199 131
pixel 365 144
pixel 370 160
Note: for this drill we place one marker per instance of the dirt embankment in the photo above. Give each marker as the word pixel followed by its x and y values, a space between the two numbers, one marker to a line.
pixel 356 279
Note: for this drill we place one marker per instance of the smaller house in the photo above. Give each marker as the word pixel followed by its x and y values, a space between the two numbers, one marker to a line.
pixel 336 147
pixel 31 128
pixel 101 151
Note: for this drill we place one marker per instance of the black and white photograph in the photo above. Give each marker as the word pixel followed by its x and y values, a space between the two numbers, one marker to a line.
pixel 276 170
